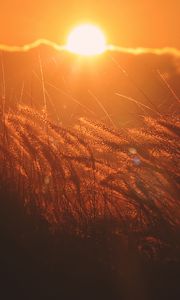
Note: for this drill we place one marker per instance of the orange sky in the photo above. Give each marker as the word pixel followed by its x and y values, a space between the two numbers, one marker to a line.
pixel 129 23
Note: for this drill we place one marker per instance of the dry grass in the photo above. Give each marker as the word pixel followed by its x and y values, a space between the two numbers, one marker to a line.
pixel 91 176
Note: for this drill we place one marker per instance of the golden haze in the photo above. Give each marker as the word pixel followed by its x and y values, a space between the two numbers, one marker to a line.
pixel 127 23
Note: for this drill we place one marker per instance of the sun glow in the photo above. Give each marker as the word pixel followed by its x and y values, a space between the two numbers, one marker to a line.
pixel 86 40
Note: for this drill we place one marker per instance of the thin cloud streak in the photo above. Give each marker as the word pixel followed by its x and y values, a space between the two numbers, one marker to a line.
pixel 134 51
pixel 28 47
pixel 140 50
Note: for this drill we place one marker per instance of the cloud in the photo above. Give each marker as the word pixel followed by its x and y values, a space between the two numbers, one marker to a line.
pixel 28 47
pixel 138 51
pixel 134 51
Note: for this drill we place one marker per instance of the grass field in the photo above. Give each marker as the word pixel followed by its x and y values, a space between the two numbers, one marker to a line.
pixel 89 211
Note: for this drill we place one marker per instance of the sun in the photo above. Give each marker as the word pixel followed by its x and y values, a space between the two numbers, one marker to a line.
pixel 86 40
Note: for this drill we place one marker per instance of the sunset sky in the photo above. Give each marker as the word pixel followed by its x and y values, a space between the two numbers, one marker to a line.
pixel 130 23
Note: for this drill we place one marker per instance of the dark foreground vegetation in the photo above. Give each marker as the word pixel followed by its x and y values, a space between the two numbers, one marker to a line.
pixel 90 212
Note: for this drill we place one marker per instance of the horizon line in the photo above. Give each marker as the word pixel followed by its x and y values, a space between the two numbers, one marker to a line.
pixel 128 50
